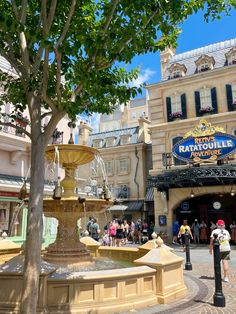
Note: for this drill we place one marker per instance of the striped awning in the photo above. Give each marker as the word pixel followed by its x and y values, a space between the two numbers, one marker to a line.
pixel 134 205
pixel 117 207
pixel 149 197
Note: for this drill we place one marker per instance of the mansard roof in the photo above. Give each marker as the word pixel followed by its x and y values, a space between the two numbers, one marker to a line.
pixel 216 50
pixel 117 134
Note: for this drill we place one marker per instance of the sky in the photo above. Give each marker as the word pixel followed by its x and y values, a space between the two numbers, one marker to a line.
pixel 196 33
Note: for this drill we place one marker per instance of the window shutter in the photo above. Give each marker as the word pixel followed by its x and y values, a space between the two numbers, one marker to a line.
pixel 197 104
pixel 168 108
pixel 183 106
pixel 214 99
pixel 229 97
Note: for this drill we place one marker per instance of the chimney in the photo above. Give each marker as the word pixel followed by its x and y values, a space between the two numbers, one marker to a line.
pixel 84 132
pixel 166 55
pixel 144 134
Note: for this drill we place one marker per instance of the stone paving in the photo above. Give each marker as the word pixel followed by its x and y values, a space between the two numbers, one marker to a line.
pixel 201 287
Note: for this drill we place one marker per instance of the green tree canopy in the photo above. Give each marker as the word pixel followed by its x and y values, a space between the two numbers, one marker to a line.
pixel 68 57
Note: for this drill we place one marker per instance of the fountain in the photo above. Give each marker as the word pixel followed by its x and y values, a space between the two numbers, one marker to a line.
pixel 156 278
pixel 68 208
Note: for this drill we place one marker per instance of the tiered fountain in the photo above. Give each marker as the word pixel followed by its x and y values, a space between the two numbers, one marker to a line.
pixel 68 208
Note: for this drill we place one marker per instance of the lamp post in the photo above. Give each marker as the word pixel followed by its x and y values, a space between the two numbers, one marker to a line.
pixel 188 265
pixel 219 299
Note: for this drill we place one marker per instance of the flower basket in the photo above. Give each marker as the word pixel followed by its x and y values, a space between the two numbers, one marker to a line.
pixel 176 115
pixel 206 110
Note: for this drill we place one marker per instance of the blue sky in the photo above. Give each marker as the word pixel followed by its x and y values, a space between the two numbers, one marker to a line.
pixel 195 33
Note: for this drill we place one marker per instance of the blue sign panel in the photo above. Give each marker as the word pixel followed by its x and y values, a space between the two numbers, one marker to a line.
pixel 205 148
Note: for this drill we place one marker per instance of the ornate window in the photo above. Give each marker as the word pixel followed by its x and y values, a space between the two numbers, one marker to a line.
pixel 123 166
pixel 110 141
pixel 109 167
pixel 205 97
pixel 234 92
pixel 205 63
pixel 176 107
pixel 124 139
pixel 206 101
pixel 98 143
pixel 177 70
pixel 231 56
pixel 176 103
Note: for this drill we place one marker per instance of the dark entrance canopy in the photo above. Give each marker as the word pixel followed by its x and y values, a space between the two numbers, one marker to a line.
pixel 194 176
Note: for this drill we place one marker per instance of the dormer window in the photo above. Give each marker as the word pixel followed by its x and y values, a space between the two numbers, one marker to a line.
pixel 110 141
pixel 205 63
pixel 177 70
pixel 98 143
pixel 125 139
pixel 231 56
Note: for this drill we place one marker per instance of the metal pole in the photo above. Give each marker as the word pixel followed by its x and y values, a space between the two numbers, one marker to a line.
pixel 219 299
pixel 188 265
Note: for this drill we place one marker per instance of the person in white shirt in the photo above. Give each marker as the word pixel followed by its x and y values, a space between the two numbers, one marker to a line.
pixel 223 237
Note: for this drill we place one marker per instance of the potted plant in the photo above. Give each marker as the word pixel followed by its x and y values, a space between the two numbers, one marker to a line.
pixel 206 109
pixel 176 115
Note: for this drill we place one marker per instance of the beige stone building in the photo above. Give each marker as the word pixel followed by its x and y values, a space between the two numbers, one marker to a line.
pixel 197 83
pixel 125 153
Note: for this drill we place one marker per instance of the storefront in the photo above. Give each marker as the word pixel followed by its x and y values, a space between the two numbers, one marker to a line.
pixel 204 188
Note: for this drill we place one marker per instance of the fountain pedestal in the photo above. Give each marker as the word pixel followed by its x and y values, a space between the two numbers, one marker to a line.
pixel 67 248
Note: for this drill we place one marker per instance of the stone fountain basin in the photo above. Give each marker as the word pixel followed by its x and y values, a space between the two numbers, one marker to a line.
pixel 159 279
pixel 73 205
pixel 72 154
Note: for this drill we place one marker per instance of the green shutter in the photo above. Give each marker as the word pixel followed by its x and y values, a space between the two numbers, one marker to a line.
pixel 197 104
pixel 183 106
pixel 229 97
pixel 214 100
pixel 168 108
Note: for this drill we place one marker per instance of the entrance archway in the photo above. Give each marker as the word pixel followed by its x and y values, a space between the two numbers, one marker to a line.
pixel 208 207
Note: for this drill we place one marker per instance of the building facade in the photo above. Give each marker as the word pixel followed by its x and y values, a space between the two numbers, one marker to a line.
pixel 198 84
pixel 125 153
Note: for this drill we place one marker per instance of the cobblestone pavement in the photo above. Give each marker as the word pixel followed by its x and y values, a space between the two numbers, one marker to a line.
pixel 201 287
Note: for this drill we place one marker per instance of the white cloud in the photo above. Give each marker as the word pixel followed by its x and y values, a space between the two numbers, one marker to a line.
pixel 143 77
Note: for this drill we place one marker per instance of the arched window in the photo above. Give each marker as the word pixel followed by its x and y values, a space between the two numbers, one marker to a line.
pixel 205 63
pixel 176 161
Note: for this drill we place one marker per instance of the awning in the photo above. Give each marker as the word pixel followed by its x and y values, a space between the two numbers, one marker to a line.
pixel 117 207
pixel 133 205
pixel 149 197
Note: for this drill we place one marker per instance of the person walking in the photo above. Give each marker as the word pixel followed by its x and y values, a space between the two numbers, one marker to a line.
pixel 175 229
pixel 182 230
pixel 203 232
pixel 223 237
pixel 195 231
pixel 94 229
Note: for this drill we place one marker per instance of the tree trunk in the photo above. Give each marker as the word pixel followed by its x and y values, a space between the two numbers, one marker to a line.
pixel 34 230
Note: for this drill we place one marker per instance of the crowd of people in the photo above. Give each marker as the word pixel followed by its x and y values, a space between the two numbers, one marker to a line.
pixel 199 232
pixel 119 231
